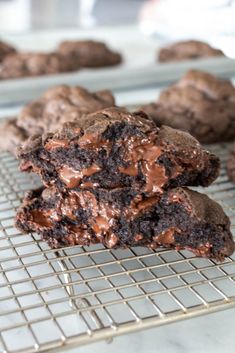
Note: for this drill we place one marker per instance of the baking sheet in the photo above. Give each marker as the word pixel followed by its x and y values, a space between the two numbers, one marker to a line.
pixel 139 69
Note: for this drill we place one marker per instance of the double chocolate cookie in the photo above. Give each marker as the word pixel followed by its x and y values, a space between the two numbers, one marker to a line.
pixel 56 106
pixel 19 65
pixel 186 50
pixel 179 218
pixel 89 53
pixel 199 103
pixel 69 56
pixel 113 148
pixel 115 178
pixel 59 105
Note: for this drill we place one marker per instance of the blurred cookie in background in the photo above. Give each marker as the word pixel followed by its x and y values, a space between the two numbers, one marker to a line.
pixel 186 50
pixel 56 106
pixel 199 103
pixel 89 53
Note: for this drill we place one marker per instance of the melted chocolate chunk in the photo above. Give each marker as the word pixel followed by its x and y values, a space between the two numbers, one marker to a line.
pixel 186 50
pixel 113 148
pixel 179 218
pixel 199 103
pixel 59 105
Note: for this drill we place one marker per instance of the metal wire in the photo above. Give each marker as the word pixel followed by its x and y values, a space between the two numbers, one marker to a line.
pixel 52 300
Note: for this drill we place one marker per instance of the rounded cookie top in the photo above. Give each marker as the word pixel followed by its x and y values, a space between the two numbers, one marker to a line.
pixel 213 87
pixel 199 103
pixel 89 53
pixel 92 126
pixel 190 49
pixel 59 105
pixel 48 113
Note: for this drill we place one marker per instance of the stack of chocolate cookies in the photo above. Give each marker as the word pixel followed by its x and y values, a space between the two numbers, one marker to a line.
pixel 114 178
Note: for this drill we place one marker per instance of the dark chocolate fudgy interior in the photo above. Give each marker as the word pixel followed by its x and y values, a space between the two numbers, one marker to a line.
pixel 114 178
pixel 179 218
pixel 113 148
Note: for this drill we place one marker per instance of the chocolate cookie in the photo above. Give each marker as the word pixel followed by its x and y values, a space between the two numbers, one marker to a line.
pixel 89 53
pixel 70 56
pixel 34 64
pixel 113 148
pixel 5 49
pixel 59 105
pixel 199 103
pixel 56 106
pixel 179 218
pixel 186 50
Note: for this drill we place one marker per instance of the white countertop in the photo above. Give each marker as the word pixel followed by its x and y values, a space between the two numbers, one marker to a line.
pixel 212 333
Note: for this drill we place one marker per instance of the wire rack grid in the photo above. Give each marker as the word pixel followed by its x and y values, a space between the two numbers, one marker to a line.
pixel 52 300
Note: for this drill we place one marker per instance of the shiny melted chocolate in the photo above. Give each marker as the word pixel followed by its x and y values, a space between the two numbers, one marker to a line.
pixel 42 218
pixel 166 237
pixel 137 151
pixel 102 218
pixel 54 144
pixel 72 178
pixel 145 152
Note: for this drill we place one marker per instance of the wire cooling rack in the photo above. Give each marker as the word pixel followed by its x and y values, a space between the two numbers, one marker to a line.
pixel 52 300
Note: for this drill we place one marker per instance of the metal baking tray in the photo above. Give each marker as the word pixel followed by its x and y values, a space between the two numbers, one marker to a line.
pixel 139 68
